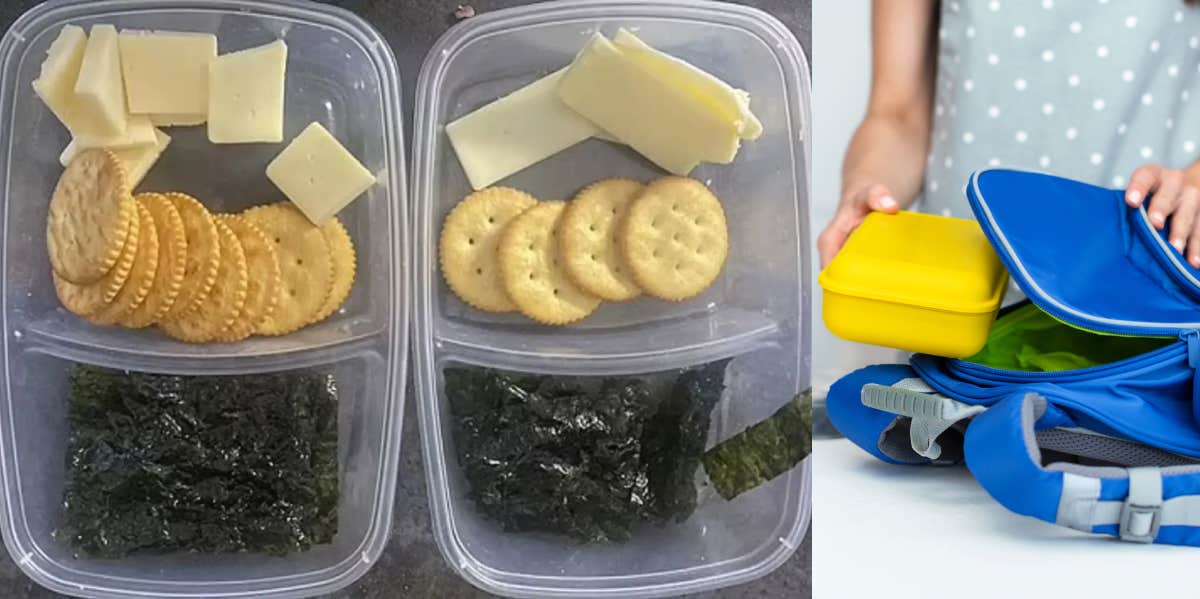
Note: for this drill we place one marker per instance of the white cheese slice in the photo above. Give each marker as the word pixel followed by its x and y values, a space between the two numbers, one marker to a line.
pixel 664 123
pixel 137 160
pixel 318 174
pixel 166 72
pixel 99 91
pixel 138 132
pixel 177 120
pixel 56 83
pixel 516 131
pixel 730 103
pixel 245 95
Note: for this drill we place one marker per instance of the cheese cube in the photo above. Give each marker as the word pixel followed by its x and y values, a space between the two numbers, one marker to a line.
pixel 318 174
pixel 138 132
pixel 99 92
pixel 137 160
pixel 245 95
pixel 177 120
pixel 516 131
pixel 669 126
pixel 166 73
pixel 56 83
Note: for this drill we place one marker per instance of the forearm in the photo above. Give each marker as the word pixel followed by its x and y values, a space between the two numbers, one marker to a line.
pixel 888 149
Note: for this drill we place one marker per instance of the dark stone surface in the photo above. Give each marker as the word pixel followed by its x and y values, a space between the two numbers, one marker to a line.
pixel 411 566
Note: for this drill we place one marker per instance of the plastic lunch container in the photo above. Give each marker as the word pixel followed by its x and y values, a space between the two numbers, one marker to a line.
pixel 340 73
pixel 918 282
pixel 757 312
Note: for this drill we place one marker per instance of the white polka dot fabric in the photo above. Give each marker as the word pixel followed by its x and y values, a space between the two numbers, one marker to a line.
pixel 1087 89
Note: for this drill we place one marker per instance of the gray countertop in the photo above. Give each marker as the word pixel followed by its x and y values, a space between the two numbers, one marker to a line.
pixel 411 566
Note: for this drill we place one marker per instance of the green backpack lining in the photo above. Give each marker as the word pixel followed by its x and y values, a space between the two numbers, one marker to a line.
pixel 1030 340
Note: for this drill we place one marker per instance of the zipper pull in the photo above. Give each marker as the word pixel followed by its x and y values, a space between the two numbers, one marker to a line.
pixel 1193 343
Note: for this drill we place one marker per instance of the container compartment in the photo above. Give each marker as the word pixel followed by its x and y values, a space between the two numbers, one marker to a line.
pixel 339 73
pixel 757 294
pixel 756 312
pixel 36 432
pixel 723 542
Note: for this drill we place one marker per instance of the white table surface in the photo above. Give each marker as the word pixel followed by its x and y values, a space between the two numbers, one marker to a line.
pixel 892 532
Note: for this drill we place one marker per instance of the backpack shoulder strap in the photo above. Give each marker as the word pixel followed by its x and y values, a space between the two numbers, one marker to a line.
pixel 1130 491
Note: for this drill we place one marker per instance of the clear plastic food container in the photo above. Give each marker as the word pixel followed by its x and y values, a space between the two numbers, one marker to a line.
pixel 341 73
pixel 757 311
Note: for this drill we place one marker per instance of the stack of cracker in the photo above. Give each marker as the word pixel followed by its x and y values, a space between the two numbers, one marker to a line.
pixel 163 258
pixel 555 262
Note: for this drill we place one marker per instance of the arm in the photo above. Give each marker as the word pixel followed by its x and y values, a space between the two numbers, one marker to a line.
pixel 885 162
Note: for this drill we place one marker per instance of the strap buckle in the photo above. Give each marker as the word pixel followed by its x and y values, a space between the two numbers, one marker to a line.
pixel 1141 514
pixel 932 414
pixel 1139 523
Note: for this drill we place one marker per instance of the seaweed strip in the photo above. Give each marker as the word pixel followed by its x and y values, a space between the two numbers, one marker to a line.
pixel 763 451
pixel 675 440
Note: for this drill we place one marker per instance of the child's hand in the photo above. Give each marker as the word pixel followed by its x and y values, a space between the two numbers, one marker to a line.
pixel 854 207
pixel 1174 195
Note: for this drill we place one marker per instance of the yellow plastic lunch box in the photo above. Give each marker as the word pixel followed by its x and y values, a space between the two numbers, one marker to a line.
pixel 917 282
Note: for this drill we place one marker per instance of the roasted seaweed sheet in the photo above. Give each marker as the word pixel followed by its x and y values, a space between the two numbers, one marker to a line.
pixel 161 463
pixel 554 454
pixel 763 451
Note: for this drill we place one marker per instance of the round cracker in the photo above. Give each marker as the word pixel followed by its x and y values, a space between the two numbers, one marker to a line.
pixel 91 214
pixel 674 238
pixel 467 249
pixel 533 274
pixel 172 262
pixel 223 302
pixel 203 255
pixel 341 250
pixel 262 268
pixel 86 300
pixel 587 239
pixel 141 275
pixel 305 266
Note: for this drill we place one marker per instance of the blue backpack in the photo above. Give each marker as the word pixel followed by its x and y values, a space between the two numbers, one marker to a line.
pixel 1083 408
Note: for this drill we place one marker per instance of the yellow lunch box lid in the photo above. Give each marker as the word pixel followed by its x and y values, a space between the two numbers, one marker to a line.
pixel 921 260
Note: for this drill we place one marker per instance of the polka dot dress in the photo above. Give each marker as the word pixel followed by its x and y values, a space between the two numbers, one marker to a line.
pixel 1086 89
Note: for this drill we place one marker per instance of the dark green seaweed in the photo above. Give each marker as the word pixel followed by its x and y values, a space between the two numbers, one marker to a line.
pixel 591 461
pixel 208 464
pixel 676 436
pixel 763 451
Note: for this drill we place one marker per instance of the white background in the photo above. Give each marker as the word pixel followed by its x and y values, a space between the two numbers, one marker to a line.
pixel 883 531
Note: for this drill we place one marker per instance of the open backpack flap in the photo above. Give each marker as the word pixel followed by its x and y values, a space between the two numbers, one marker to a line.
pixel 1083 409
